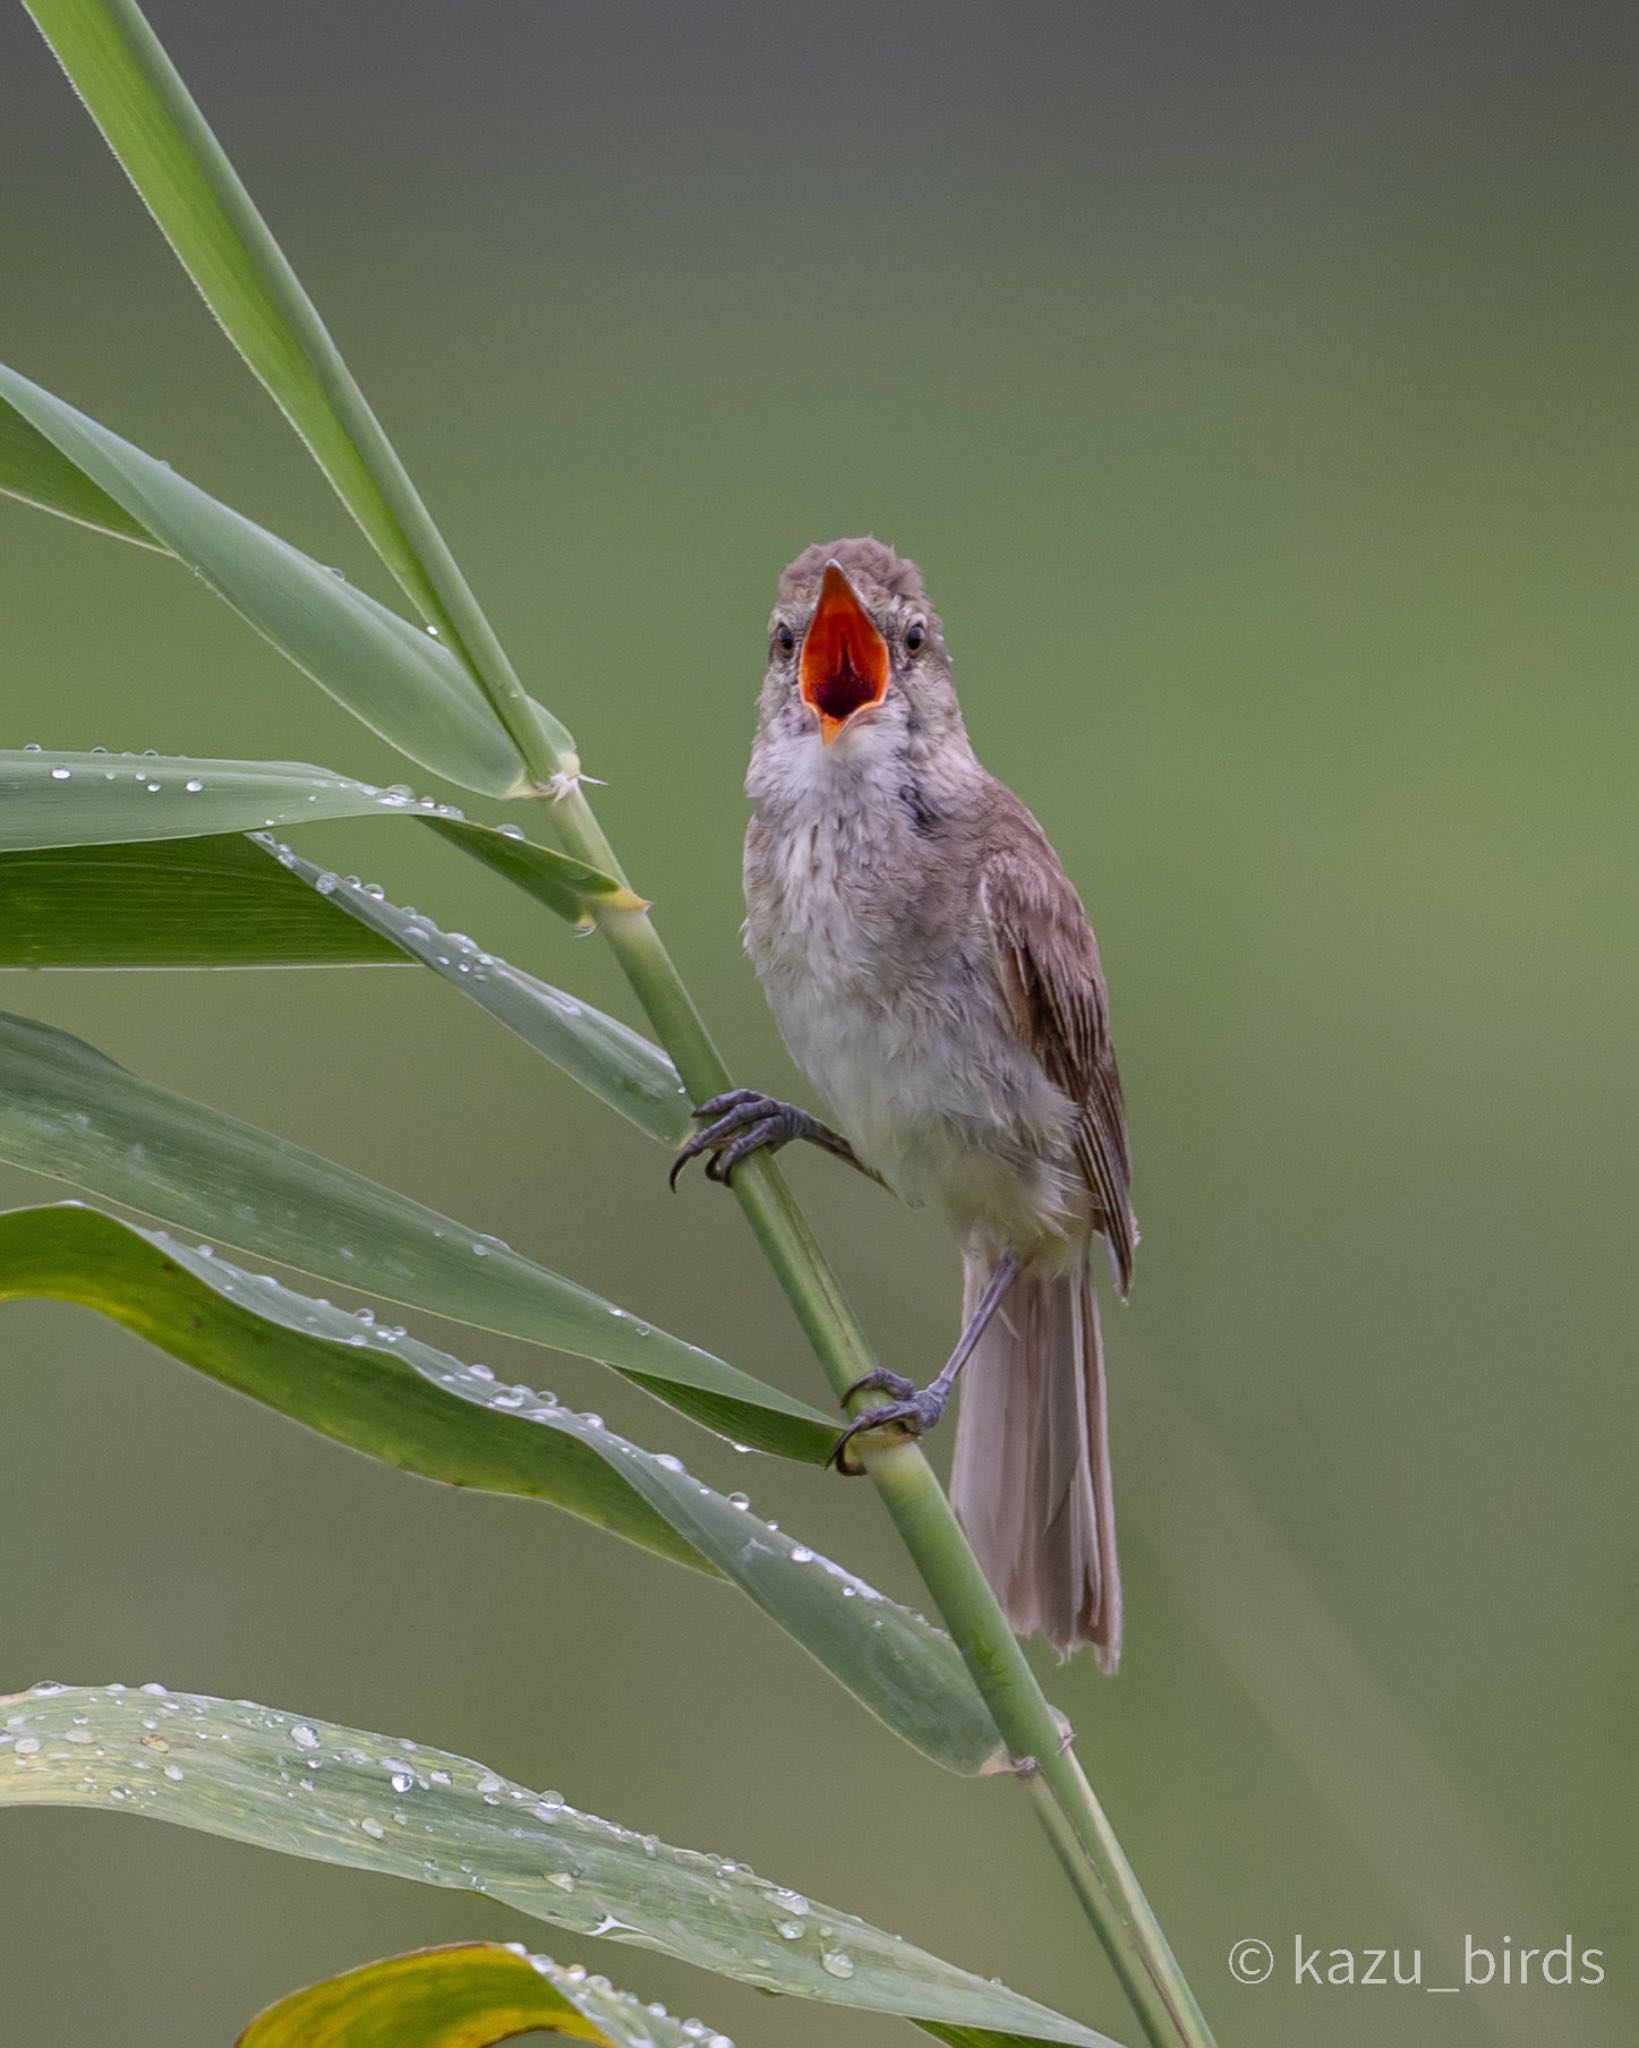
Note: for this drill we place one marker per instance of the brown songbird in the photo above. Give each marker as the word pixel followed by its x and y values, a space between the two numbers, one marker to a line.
pixel 934 974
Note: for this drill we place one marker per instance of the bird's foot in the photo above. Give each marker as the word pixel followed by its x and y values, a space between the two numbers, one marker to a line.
pixel 880 1381
pixel 743 1122
pixel 913 1411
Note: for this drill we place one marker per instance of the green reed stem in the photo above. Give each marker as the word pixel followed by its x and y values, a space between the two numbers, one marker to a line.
pixel 1035 1737
pixel 199 201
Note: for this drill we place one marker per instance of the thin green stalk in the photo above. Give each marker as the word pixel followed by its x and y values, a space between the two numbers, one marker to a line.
pixel 111 54
pixel 1076 1824
pixel 114 58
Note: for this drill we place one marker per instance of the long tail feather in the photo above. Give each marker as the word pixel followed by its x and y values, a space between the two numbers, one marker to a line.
pixel 1031 1478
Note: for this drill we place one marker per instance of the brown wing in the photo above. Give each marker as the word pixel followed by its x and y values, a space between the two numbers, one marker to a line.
pixel 1055 987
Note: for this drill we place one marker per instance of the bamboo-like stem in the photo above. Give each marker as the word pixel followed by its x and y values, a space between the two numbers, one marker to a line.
pixel 115 59
pixel 1076 1824
pixel 112 56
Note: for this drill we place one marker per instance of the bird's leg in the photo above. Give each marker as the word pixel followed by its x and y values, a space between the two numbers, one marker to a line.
pixel 746 1122
pixel 916 1409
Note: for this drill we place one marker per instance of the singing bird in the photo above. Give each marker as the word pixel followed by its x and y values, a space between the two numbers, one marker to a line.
pixel 934 974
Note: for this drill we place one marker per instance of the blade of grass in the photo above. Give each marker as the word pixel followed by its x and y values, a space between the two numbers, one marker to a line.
pixel 569 888
pixel 40 474
pixel 372 1386
pixel 469 1995
pixel 341 1795
pixel 616 1064
pixel 171 903
pixel 77 799
pixel 404 684
pixel 149 119
pixel 62 799
pixel 69 1112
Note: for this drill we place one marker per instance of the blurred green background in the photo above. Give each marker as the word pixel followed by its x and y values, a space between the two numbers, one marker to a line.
pixel 1256 388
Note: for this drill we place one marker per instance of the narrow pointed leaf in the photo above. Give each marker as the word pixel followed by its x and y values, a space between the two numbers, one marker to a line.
pixel 171 903
pixel 617 1064
pixel 69 799
pixel 38 472
pixel 149 119
pixel 372 1386
pixel 470 1995
pixel 57 798
pixel 566 886
pixel 68 1111
pixel 403 684
pixel 222 902
pixel 339 1795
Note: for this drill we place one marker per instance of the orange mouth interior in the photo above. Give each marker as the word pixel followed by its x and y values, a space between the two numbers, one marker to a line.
pixel 844 657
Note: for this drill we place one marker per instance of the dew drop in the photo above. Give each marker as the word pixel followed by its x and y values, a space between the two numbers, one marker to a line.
pixel 193 785
pixel 60 774
pixel 837 1963
pixel 372 1827
pixel 304 1737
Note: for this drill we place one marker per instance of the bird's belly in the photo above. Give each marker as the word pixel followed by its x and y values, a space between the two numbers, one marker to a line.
pixel 946 1105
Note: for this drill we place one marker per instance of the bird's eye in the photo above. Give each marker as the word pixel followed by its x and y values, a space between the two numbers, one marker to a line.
pixel 916 635
pixel 785 640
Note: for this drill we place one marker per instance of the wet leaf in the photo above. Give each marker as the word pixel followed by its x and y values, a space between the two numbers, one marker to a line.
pixel 367 1383
pixel 149 119
pixel 403 684
pixel 69 1112
pixel 339 1795
pixel 618 1065
pixel 171 903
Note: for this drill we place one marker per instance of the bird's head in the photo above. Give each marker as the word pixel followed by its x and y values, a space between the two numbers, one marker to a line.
pixel 856 654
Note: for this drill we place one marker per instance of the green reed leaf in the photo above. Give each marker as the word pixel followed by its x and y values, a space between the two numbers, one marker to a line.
pixel 403 684
pixel 340 1795
pixel 469 1995
pixel 69 1112
pixel 367 1383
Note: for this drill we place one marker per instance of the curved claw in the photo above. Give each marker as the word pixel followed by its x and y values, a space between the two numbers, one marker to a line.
pixel 918 1412
pixel 744 1122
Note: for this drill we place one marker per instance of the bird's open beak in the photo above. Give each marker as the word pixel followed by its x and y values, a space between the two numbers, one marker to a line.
pixel 844 657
